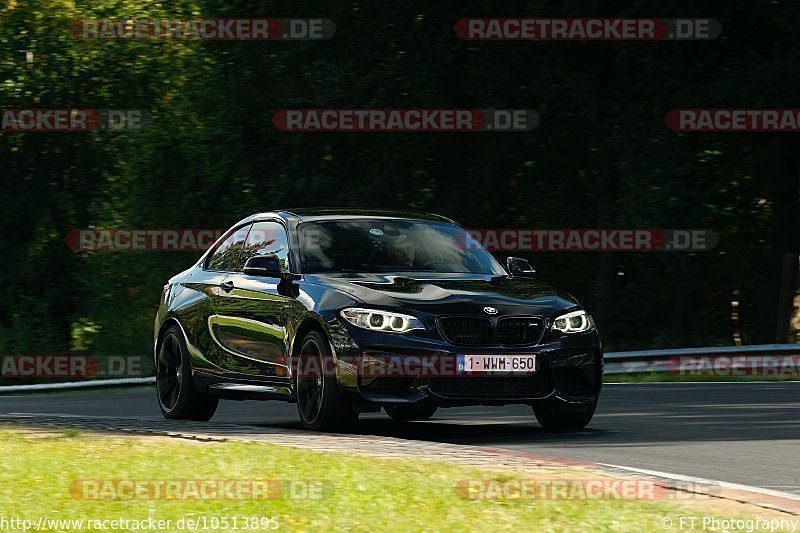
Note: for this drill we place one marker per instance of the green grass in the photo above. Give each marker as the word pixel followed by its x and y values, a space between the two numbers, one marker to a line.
pixel 360 493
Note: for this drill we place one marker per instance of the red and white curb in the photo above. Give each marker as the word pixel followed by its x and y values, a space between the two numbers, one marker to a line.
pixel 391 447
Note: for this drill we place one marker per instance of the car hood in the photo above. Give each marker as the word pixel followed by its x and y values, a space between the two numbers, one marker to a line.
pixel 450 293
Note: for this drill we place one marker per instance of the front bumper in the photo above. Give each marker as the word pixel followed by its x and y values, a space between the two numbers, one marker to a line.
pixel 569 368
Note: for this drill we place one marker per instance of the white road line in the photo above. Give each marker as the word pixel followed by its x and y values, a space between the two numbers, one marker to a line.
pixel 691 479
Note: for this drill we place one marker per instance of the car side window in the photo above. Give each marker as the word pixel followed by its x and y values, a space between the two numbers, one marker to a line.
pixel 228 255
pixel 267 238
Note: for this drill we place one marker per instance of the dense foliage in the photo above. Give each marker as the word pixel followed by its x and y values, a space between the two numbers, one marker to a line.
pixel 601 157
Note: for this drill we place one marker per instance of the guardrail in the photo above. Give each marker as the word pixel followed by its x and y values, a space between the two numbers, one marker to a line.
pixel 86 384
pixel 767 360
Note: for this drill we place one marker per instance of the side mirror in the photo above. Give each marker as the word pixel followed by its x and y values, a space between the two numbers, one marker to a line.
pixel 267 265
pixel 519 267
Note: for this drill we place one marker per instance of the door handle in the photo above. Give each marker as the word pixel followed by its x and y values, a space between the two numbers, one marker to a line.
pixel 226 286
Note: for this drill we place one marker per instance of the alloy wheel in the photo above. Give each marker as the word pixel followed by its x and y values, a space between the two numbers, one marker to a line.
pixel 168 374
pixel 310 383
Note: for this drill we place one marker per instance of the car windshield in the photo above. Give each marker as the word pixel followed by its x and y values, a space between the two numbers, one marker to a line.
pixel 391 245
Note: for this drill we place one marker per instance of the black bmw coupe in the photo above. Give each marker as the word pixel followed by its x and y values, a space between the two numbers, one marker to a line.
pixel 350 311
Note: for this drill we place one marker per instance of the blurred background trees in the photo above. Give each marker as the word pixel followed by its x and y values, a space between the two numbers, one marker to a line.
pixel 601 157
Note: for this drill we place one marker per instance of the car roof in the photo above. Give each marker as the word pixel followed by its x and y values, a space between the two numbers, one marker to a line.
pixel 310 214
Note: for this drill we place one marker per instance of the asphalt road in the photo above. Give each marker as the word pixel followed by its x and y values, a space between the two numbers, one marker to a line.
pixel 746 433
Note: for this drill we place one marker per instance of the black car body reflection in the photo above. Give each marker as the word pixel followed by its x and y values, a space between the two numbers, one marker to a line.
pixel 352 311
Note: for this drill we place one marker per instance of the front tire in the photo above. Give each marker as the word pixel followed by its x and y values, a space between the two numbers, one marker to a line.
pixel 177 396
pixel 411 412
pixel 320 405
pixel 556 415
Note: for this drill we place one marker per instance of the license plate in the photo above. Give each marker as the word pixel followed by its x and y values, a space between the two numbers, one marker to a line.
pixel 496 363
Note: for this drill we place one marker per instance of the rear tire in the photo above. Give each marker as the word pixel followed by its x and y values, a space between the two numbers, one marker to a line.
pixel 177 396
pixel 556 415
pixel 319 403
pixel 411 412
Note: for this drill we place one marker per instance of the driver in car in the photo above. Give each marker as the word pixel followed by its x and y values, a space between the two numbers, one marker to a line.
pixel 401 251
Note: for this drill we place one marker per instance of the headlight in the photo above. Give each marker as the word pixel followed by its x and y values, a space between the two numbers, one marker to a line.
pixel 575 322
pixel 376 320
